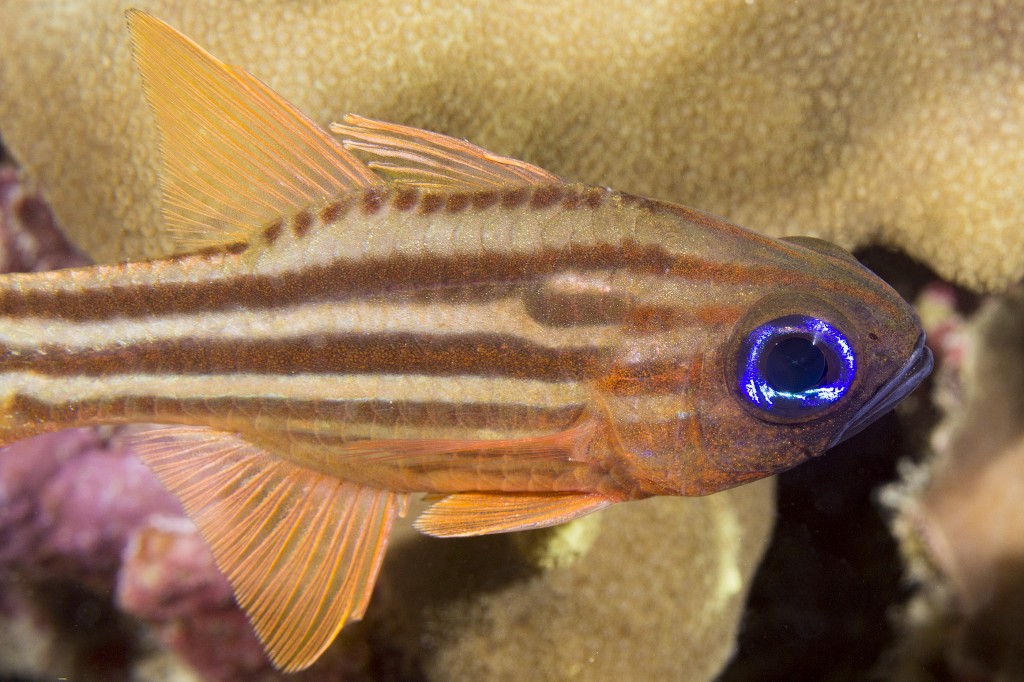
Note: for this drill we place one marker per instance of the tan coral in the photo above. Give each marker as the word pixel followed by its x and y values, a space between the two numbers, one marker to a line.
pixel 657 597
pixel 959 516
pixel 866 123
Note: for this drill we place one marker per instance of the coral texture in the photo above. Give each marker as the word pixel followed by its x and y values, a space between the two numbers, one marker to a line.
pixel 959 515
pixel 657 597
pixel 68 504
pixel 30 239
pixel 866 123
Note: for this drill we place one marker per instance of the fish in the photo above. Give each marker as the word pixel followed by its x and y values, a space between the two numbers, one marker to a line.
pixel 354 316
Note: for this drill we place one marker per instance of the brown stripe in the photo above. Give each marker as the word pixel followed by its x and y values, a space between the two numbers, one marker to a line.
pixel 272 232
pixel 383 412
pixel 301 223
pixel 334 281
pixel 485 198
pixel 406 199
pixel 332 211
pixel 488 355
pixel 373 200
pixel 663 377
pixel 513 198
pixel 545 197
pixel 400 273
pixel 457 202
pixel 431 203
pixel 695 267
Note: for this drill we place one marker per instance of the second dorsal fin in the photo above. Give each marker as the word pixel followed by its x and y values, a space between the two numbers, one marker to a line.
pixel 431 160
pixel 236 155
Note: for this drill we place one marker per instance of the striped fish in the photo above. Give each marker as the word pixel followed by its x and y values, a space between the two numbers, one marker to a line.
pixel 351 322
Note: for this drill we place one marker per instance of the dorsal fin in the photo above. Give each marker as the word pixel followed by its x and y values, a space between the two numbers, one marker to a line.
pixel 300 549
pixel 235 154
pixel 431 160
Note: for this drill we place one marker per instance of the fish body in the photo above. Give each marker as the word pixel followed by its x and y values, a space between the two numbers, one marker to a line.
pixel 403 312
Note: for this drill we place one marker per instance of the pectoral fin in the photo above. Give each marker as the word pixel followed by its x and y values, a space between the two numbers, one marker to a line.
pixel 426 159
pixel 466 514
pixel 301 549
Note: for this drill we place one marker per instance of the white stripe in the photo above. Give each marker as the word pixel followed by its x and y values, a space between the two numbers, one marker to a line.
pixel 397 388
pixel 505 317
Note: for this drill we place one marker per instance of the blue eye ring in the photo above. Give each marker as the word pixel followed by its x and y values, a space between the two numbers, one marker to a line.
pixel 794 368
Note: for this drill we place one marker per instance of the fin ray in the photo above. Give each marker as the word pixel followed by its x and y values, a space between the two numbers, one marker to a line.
pixel 468 514
pixel 236 154
pixel 302 550
pixel 423 158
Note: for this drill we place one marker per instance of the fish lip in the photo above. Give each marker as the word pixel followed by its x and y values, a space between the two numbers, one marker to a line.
pixel 909 376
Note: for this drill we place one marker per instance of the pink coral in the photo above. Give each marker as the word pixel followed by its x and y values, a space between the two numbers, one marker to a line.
pixel 168 580
pixel 69 504
pixel 30 239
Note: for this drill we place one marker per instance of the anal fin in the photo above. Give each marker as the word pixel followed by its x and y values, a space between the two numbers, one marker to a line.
pixel 467 514
pixel 301 549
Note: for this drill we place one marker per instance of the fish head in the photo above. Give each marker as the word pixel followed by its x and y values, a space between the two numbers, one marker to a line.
pixel 800 365
pixel 806 367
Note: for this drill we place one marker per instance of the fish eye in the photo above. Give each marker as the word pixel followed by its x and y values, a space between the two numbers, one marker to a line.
pixel 794 367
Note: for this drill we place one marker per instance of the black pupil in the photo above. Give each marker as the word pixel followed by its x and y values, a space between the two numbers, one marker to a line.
pixel 794 365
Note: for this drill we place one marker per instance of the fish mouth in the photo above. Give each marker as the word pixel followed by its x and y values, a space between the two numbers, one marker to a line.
pixel 913 372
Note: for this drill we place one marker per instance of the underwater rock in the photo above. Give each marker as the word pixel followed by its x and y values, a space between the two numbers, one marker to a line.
pixel 898 124
pixel 959 515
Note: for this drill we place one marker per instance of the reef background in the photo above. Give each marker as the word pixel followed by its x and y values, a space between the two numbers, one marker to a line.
pixel 876 125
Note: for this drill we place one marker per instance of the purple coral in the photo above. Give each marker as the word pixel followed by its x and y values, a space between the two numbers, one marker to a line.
pixel 30 240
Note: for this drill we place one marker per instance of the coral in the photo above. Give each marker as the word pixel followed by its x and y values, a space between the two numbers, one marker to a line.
pixel 68 505
pixel 669 574
pixel 959 517
pixel 656 597
pixel 865 123
pixel 559 546
pixel 168 580
pixel 29 237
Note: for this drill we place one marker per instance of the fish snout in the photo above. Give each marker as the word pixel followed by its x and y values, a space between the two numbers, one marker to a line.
pixel 907 378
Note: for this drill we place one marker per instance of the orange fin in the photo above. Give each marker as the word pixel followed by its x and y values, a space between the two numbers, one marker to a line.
pixel 236 155
pixel 465 514
pixel 301 549
pixel 412 156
